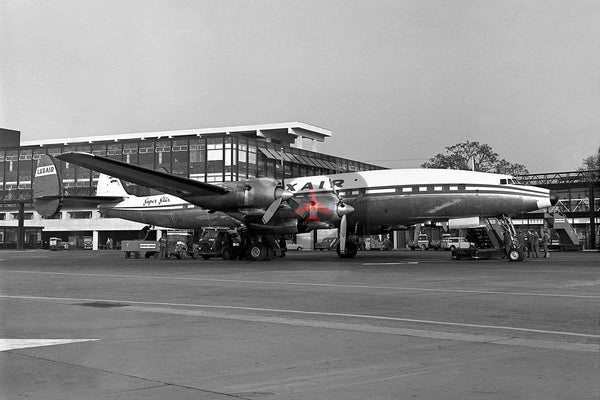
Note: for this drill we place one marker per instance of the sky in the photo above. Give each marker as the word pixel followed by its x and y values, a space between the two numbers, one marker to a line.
pixel 395 81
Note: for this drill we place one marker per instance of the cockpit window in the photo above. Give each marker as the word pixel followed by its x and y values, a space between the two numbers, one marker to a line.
pixel 503 181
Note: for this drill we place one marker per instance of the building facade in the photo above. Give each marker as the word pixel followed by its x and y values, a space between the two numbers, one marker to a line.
pixel 207 155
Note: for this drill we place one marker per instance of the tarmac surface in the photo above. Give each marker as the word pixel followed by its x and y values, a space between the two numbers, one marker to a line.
pixel 385 325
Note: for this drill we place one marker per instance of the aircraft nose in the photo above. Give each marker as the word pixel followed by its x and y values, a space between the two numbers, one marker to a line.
pixel 553 198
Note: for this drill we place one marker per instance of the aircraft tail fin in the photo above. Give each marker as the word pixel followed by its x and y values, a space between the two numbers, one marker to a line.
pixel 109 186
pixel 47 187
pixel 48 198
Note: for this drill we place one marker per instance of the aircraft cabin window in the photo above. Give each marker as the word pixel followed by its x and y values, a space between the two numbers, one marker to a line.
pixel 407 189
pixel 453 187
pixel 422 188
pixel 437 188
pixel 503 181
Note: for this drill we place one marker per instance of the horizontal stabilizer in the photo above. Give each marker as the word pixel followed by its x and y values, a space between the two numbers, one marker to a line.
pixel 161 181
pixel 48 196
pixel 50 205
pixel 88 201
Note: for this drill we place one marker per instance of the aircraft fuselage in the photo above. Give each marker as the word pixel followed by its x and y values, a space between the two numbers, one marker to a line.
pixel 384 198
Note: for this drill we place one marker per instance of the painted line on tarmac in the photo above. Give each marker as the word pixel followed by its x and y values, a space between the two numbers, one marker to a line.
pixel 309 284
pixel 461 337
pixel 124 302
pixel 392 263
pixel 14 344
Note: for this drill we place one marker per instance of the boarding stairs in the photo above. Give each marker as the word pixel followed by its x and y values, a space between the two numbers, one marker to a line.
pixel 488 239
pixel 489 235
pixel 569 240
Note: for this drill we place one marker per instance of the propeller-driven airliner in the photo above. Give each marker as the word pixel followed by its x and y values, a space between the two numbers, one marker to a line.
pixel 265 209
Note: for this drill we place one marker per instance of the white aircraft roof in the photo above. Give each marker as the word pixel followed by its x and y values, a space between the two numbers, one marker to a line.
pixel 416 176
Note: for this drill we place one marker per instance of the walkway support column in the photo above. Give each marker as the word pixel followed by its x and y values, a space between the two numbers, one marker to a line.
pixel 95 239
pixel 21 228
pixel 592 202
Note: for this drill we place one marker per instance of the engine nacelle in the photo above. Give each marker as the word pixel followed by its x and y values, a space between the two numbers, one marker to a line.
pixel 252 193
pixel 320 210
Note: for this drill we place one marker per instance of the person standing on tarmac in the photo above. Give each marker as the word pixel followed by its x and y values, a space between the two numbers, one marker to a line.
pixel 163 246
pixel 536 244
pixel 545 243
pixel 529 243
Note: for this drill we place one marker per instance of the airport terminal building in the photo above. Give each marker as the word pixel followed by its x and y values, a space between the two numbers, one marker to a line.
pixel 207 155
pixel 217 155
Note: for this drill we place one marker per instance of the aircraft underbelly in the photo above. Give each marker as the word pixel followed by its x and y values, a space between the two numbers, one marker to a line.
pixel 404 210
pixel 193 218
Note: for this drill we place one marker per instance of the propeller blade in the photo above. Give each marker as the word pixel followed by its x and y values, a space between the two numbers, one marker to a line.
pixel 271 210
pixel 343 229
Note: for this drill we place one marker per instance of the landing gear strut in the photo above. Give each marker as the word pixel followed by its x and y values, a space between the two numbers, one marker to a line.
pixel 514 249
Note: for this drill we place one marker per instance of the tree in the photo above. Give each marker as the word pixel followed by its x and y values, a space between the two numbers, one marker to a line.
pixel 480 156
pixel 591 163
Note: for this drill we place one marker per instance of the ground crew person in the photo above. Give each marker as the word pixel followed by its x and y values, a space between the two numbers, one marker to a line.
pixel 536 244
pixel 545 243
pixel 529 243
pixel 163 246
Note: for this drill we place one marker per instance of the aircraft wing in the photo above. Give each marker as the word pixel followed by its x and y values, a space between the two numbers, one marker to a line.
pixel 161 181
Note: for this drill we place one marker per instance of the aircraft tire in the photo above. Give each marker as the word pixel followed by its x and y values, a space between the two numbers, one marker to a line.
pixel 351 250
pixel 516 254
pixel 258 253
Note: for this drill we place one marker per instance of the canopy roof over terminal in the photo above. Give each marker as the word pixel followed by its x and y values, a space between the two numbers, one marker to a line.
pixel 292 133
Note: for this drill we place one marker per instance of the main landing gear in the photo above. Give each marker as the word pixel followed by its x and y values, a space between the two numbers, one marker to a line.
pixel 262 247
pixel 351 248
